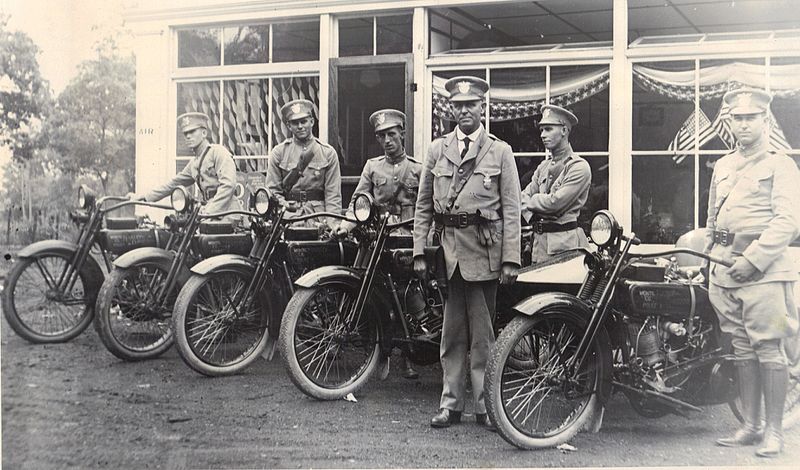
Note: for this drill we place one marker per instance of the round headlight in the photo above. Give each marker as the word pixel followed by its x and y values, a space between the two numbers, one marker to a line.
pixel 86 197
pixel 238 191
pixel 262 201
pixel 179 199
pixel 362 207
pixel 604 228
pixel 81 197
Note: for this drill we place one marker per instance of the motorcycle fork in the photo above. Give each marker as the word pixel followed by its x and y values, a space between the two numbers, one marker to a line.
pixel 162 287
pixel 69 275
pixel 354 312
pixel 259 277
pixel 398 307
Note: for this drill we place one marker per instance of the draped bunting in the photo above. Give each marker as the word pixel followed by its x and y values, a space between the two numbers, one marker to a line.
pixel 523 100
pixel 715 81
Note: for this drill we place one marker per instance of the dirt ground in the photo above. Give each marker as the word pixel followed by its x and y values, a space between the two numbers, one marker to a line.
pixel 75 405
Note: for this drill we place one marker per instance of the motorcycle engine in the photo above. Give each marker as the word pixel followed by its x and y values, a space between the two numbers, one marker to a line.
pixel 656 342
pixel 424 309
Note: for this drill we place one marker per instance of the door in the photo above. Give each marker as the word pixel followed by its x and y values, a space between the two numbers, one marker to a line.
pixel 359 87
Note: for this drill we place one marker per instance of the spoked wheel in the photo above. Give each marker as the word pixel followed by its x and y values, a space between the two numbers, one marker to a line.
pixel 132 323
pixel 531 397
pixel 329 350
pixel 37 309
pixel 218 329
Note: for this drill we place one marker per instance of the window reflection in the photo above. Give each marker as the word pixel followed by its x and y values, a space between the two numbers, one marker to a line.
pixel 198 47
pixel 295 41
pixel 662 207
pixel 355 36
pixel 394 34
pixel 246 44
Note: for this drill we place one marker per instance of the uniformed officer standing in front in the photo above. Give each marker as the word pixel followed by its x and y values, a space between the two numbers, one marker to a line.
pixel 392 180
pixel 753 216
pixel 212 169
pixel 303 173
pixel 470 189
pixel 558 189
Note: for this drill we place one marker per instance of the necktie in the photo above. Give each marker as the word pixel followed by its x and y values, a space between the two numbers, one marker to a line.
pixel 466 147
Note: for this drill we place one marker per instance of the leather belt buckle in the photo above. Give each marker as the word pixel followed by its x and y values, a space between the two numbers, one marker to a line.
pixel 723 237
pixel 538 227
pixel 462 220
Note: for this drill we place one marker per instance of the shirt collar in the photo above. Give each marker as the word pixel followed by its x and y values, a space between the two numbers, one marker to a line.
pixel 472 137
pixel 201 148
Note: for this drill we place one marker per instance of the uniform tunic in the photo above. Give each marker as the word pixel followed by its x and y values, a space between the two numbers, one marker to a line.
pixel 217 176
pixel 393 183
pixel 321 174
pixel 757 198
pixel 473 269
pixel 557 192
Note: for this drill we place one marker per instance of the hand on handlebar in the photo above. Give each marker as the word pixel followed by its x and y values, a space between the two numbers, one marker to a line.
pixel 134 197
pixel 743 271
pixel 291 206
pixel 421 268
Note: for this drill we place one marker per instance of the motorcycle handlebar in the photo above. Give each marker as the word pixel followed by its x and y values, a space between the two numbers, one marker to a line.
pixel 687 251
pixel 127 202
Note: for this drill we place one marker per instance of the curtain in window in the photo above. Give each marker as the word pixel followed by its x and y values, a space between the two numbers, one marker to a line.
pixel 288 89
pixel 245 119
pixel 509 103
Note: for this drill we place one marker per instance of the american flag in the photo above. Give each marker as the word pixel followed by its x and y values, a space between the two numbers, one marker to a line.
pixel 684 139
pixel 777 139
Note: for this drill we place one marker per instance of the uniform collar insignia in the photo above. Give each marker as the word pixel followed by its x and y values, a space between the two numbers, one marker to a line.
pixel 463 87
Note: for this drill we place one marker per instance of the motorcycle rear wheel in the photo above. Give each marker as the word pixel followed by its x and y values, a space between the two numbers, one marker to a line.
pixel 36 310
pixel 538 406
pixel 218 331
pixel 131 323
pixel 328 354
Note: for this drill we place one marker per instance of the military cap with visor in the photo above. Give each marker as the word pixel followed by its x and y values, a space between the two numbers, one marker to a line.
pixel 747 101
pixel 387 118
pixel 191 121
pixel 466 88
pixel 297 109
pixel 557 116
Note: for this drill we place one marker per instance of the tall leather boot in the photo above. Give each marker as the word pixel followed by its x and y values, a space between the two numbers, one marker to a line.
pixel 408 370
pixel 750 397
pixel 775 381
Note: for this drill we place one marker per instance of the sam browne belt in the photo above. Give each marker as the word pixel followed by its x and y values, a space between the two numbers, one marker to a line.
pixel 739 241
pixel 307 195
pixel 458 220
pixel 540 226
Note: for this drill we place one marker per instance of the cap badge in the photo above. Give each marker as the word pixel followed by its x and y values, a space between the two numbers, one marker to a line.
pixel 745 99
pixel 381 118
pixel 463 87
pixel 546 113
pixel 185 121
pixel 297 108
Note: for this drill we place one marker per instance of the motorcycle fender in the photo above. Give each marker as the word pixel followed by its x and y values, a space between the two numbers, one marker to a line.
pixel 552 302
pixel 329 274
pixel 210 265
pixel 352 277
pixel 151 254
pixel 93 267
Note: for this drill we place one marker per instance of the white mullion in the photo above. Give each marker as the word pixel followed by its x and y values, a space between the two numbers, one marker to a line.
pixel 374 35
pixel 488 100
pixel 221 39
pixel 269 114
pixel 696 182
pixel 221 108
pixel 271 42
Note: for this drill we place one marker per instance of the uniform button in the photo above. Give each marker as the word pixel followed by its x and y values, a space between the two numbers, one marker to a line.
pixel 395 178
pixel 456 206
pixel 461 170
pixel 396 164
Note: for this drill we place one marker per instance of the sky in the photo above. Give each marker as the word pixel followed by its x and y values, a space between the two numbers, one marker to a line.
pixel 65 31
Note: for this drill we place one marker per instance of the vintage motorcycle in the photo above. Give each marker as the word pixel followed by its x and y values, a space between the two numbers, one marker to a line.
pixel 342 322
pixel 49 294
pixel 230 309
pixel 135 302
pixel 639 324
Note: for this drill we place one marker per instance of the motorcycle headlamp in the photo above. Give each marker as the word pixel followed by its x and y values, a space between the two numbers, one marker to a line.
pixel 86 197
pixel 179 199
pixel 238 191
pixel 262 201
pixel 363 207
pixel 605 229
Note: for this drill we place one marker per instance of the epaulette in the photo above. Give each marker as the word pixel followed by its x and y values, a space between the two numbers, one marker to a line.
pixel 323 143
pixel 413 159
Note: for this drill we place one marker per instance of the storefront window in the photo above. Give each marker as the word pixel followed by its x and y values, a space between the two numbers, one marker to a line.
pixel 198 47
pixel 663 197
pixel 246 44
pixel 295 41
pixel 245 124
pixel 394 34
pixel 288 89
pixel 516 99
pixel 356 36
pixel 516 24
pixel 375 35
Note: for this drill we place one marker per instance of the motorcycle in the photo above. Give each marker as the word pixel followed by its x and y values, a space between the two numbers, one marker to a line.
pixel 49 294
pixel 638 324
pixel 229 311
pixel 134 305
pixel 342 322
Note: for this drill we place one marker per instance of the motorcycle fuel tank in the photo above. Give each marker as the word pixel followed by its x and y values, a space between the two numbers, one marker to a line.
pixel 671 299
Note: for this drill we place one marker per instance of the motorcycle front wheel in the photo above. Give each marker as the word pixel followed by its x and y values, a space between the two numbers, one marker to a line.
pixel 131 322
pixel 220 329
pixel 37 309
pixel 329 350
pixel 530 396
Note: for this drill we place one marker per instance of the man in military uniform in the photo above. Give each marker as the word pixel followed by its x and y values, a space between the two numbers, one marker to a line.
pixel 470 189
pixel 212 169
pixel 753 216
pixel 303 172
pixel 558 189
pixel 391 179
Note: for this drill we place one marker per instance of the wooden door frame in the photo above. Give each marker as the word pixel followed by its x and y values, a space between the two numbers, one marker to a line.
pixel 334 64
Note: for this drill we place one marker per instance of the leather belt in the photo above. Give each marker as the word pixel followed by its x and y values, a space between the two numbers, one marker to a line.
pixel 458 220
pixel 307 195
pixel 739 241
pixel 540 226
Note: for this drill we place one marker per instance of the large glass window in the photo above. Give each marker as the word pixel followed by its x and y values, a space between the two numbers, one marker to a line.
pixel 375 35
pixel 520 24
pixel 515 99
pixel 295 41
pixel 198 47
pixel 681 128
pixel 244 114
pixel 246 44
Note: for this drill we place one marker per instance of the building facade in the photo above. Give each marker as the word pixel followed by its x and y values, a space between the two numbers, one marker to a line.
pixel 645 78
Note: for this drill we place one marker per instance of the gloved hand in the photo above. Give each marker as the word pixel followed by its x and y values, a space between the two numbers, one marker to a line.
pixel 421 267
pixel 291 206
pixel 486 234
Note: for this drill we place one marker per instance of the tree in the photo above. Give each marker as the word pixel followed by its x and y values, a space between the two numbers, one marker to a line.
pixel 25 101
pixel 92 127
